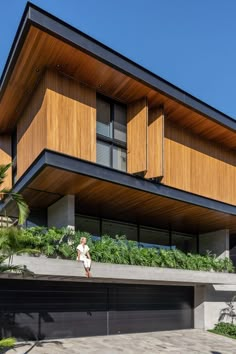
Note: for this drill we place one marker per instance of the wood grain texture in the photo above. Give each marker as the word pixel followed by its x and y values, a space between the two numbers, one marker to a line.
pixel 71 116
pixel 155 148
pixel 32 130
pixel 108 200
pixel 60 116
pixel 199 166
pixel 5 158
pixel 137 116
pixel 41 50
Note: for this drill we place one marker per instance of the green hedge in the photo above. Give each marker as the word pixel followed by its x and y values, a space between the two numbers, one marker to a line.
pixel 62 243
pixel 225 329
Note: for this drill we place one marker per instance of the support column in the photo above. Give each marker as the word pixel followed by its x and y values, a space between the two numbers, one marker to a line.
pixel 62 213
pixel 199 308
pixel 217 242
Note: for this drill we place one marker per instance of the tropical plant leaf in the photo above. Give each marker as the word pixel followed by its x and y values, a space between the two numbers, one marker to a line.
pixel 3 172
pixel 8 268
pixel 20 202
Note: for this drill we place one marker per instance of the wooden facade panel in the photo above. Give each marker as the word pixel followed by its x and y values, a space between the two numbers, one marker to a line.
pixel 32 130
pixel 61 116
pixel 199 166
pixel 71 116
pixel 155 146
pixel 137 116
pixel 5 158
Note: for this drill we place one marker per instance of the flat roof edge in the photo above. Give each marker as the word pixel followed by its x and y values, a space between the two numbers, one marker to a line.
pixel 36 16
pixel 94 170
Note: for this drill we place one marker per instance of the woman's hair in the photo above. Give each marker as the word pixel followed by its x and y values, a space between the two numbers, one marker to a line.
pixel 83 238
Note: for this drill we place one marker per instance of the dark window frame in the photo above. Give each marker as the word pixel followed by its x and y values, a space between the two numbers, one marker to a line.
pixel 111 140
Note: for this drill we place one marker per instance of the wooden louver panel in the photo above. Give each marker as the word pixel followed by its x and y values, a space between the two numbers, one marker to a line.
pixel 137 115
pixel 155 150
pixel 5 158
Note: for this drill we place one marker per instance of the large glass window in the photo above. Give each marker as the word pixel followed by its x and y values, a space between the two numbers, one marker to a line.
pixel 111 134
pixel 183 242
pixel 103 153
pixel 151 236
pixel 104 126
pixel 113 229
pixel 87 224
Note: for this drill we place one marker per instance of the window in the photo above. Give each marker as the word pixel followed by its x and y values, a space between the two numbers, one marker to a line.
pixel 113 228
pixel 111 134
pixel 154 237
pixel 184 242
pixel 87 224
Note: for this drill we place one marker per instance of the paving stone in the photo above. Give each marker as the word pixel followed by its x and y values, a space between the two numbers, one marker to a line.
pixel 176 342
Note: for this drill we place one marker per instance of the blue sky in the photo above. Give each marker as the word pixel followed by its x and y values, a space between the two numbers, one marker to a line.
pixel 190 43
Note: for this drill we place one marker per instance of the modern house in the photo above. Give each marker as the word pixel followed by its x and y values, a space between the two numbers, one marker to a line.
pixel 100 144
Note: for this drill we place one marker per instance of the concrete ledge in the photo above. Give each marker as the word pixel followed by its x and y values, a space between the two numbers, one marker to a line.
pixel 58 269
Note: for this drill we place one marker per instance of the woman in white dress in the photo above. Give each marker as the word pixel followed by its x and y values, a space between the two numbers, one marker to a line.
pixel 84 256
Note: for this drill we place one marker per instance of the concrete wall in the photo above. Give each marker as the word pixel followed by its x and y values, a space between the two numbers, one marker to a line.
pixel 62 213
pixel 217 242
pixel 209 301
pixel 122 272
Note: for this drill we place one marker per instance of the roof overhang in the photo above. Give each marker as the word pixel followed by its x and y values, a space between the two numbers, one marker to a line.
pixel 43 41
pixel 110 193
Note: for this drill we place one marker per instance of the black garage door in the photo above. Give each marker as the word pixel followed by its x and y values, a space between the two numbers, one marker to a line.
pixel 43 310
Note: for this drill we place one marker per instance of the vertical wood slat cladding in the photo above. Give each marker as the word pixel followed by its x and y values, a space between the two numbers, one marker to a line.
pixel 5 158
pixel 60 116
pixel 155 153
pixel 32 130
pixel 199 166
pixel 71 117
pixel 137 116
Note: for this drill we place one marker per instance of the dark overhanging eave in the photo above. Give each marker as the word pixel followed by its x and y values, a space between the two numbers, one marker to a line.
pixel 93 170
pixel 33 15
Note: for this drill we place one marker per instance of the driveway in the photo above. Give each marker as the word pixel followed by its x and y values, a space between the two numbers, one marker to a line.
pixel 181 342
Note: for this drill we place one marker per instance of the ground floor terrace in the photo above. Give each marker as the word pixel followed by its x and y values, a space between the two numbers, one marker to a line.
pixel 58 301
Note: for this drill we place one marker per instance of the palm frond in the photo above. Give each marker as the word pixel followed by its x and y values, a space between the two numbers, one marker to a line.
pixel 3 172
pixel 4 268
pixel 20 202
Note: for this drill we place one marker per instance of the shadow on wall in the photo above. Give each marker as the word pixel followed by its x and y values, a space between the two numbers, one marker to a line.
pixel 24 325
pixel 228 314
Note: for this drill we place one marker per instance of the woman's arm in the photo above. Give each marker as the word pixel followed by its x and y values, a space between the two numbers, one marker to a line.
pixel 88 255
pixel 78 255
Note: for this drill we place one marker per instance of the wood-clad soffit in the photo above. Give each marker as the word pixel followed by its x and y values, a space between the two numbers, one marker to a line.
pixel 44 42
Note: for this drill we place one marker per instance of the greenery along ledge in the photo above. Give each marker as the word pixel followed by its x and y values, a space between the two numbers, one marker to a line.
pixel 62 243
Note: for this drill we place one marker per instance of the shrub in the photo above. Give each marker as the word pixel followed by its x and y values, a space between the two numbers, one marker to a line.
pixel 62 243
pixel 226 329
pixel 7 342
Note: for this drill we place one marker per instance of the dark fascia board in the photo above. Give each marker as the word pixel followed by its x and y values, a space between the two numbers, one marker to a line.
pixel 90 169
pixel 58 28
